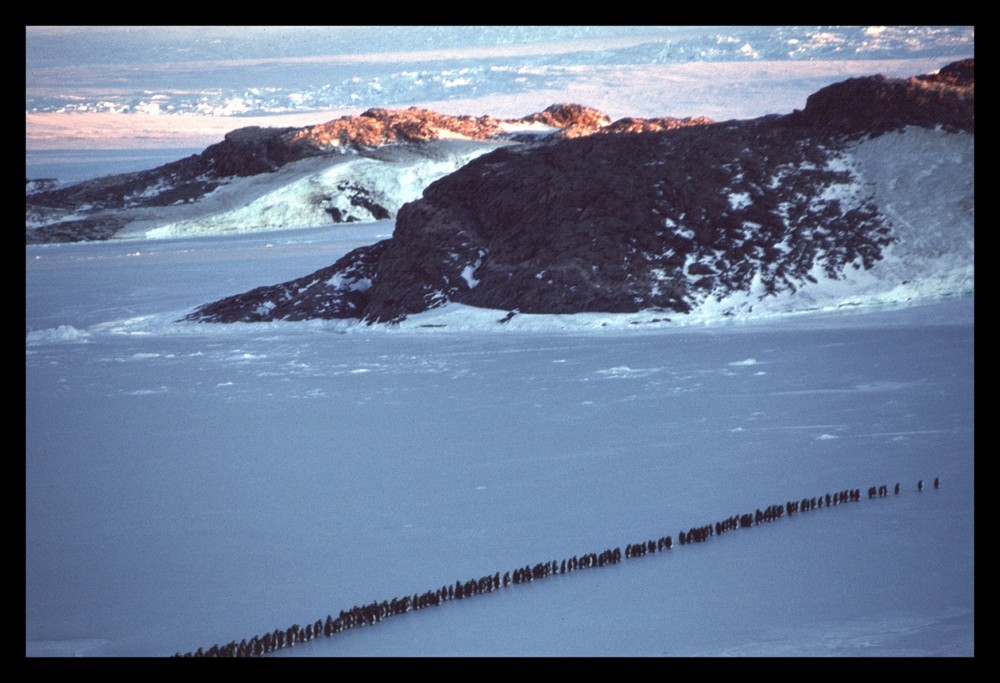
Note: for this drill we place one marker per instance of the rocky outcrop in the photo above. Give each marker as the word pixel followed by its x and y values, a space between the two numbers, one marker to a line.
pixel 254 150
pixel 658 220
pixel 638 125
pixel 873 105
pixel 624 223
pixel 93 229
pixel 70 213
pixel 337 291
pixel 377 127
pixel 961 73
pixel 573 120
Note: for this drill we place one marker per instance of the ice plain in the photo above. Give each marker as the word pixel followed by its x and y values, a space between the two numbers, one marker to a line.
pixel 193 484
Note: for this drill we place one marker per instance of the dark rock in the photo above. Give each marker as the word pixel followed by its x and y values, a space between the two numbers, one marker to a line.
pixel 567 115
pixel 129 189
pixel 638 125
pixel 961 73
pixel 377 127
pixel 361 198
pixel 337 291
pixel 94 229
pixel 875 104
pixel 254 150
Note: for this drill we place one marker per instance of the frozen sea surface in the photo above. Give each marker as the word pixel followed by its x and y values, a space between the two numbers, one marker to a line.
pixel 74 165
pixel 192 484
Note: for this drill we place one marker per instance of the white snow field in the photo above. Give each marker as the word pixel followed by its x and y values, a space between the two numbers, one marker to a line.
pixel 192 484
pixel 182 84
pixel 296 196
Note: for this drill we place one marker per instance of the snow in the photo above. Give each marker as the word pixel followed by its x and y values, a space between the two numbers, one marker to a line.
pixel 467 275
pixel 271 474
pixel 916 193
pixel 298 194
pixel 920 180
pixel 190 484
pixel 445 134
pixel 337 282
pixel 739 200
pixel 648 71
pixel 527 128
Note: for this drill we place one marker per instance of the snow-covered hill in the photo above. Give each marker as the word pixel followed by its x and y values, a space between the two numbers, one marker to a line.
pixel 817 209
pixel 316 191
pixel 354 168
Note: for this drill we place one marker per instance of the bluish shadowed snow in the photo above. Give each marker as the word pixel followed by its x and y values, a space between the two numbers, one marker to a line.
pixel 189 484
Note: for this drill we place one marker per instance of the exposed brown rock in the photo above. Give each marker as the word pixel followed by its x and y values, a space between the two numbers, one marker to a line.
pixel 876 104
pixel 637 125
pixel 961 73
pixel 574 120
pixel 569 114
pixel 377 127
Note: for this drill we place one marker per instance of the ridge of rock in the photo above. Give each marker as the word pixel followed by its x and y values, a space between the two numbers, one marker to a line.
pixel 874 105
pixel 376 127
pixel 90 210
pixel 660 220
